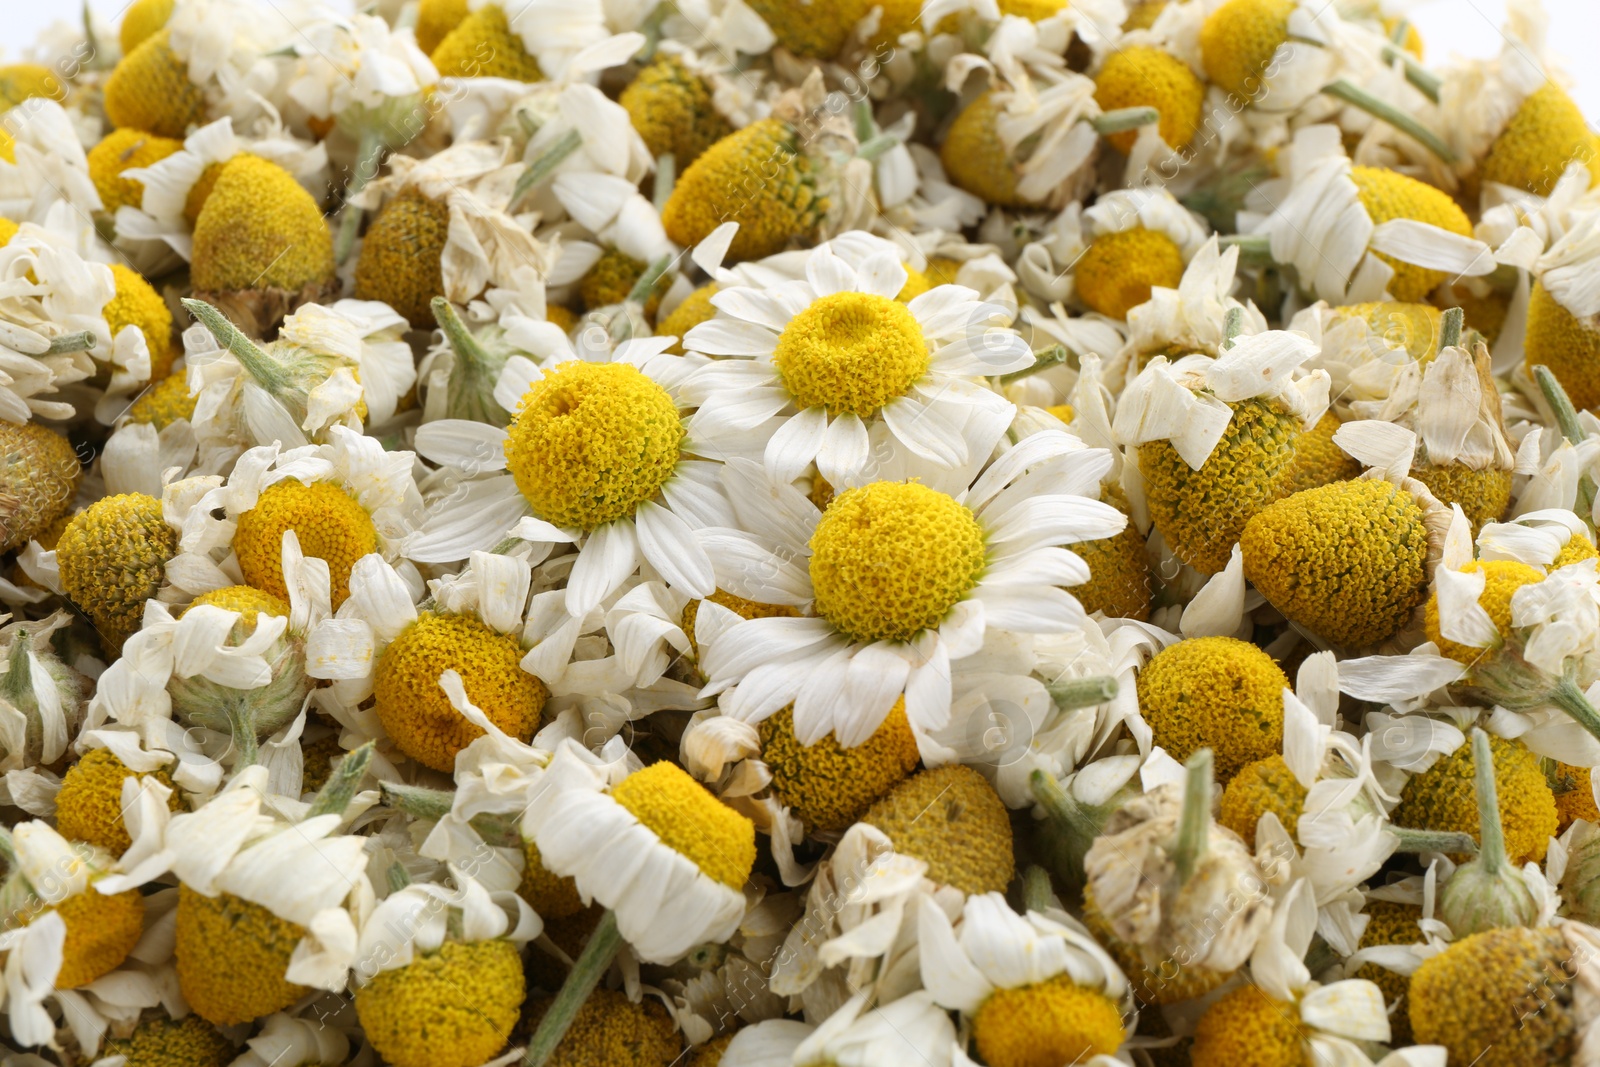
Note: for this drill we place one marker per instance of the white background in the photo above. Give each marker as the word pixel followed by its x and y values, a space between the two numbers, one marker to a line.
pixel 1464 27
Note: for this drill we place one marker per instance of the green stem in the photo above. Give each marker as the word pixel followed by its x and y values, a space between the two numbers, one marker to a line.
pixel 586 973
pixel 397 876
pixel 417 801
pixel 8 851
pixel 1425 81
pixel 500 830
pixel 877 146
pixel 368 157
pixel 1037 894
pixel 1571 429
pixel 82 341
pixel 243 728
pixel 1194 823
pixel 335 796
pixel 1358 97
pixel 866 128
pixel 1569 698
pixel 1232 324
pixel 1450 324
pixel 229 336
pixel 545 165
pixel 1074 693
pixel 1491 836
pixel 1249 244
pixel 1053 356
pixel 666 177
pixel 1061 808
pixel 640 293
pixel 465 346
pixel 1413 840
pixel 1124 119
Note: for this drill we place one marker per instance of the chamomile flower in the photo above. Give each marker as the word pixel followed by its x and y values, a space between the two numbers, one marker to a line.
pixel 1355 233
pixel 1191 316
pixel 1562 312
pixel 1036 988
pixel 285 1037
pixel 840 351
pixel 930 609
pixel 39 482
pixel 150 89
pixel 45 166
pixel 112 558
pixel 640 498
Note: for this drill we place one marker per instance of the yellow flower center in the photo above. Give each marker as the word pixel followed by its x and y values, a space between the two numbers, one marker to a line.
pixel 952 819
pixel 453 1007
pixel 1387 195
pixel 890 559
pixel 830 786
pixel 164 403
pixel 546 892
pixel 1118 271
pixel 1238 41
pixel 1502 578
pixel 113 557
pixel 745 609
pixel 248 601
pixel 690 821
pixel 232 955
pixel 851 353
pixel 1548 131
pixel 591 442
pixel 1263 786
pixel 186 1042
pixel 1145 76
pixel 102 929
pixel 1218 693
pixel 122 150
pixel 1047 1024
pixel 1568 345
pixel 1412 326
pixel 1247 1026
pixel 415 710
pixel 328 522
pixel 89 805
pixel 1445 797
pixel 1527 972
pixel 37 483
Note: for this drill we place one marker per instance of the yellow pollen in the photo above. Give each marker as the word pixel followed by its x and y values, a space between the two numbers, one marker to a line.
pixel 1318 461
pixel 1217 693
pixel 1263 786
pixel 136 303
pixel 975 157
pixel 1484 495
pixel 612 1031
pixel 435 20
pixel 1118 271
pixel 328 522
pixel 260 229
pixel 415 710
pixel 232 956
pixel 142 19
pixel 1120 583
pixel 1574 795
pixel 591 442
pixel 1502 998
pixel 759 177
pixel 165 402
pixel 816 31
pixel 546 892
pixel 952 819
pixel 690 821
pixel 160 1041
pixel 1387 195
pixel 851 353
pixel 452 1007
pixel 150 90
pixel 37 482
pixel 1548 132
pixel 399 262
pixel 745 609
pixel 671 106
pixel 121 150
pixel 1050 1023
pixel 830 786
pixel 1391 923
pixel 89 805
pixel 113 557
pixel 28 81
pixel 690 312
pixel 1249 1027
pixel 483 45
pixel 1415 327
pixel 248 601
pixel 890 559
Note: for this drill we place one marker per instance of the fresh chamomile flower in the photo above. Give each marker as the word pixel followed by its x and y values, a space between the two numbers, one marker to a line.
pixel 1144 75
pixel 665 857
pixel 150 89
pixel 844 354
pixel 1563 312
pixel 1444 797
pixel 1538 972
pixel 439 973
pixel 674 107
pixel 382 647
pixel 1216 438
pixel 482 44
pixel 1283 1015
pixel 1508 119
pixel 112 557
pixel 952 820
pixel 1037 988
pixel 960 555
pixel 637 498
pixel 38 483
pixel 1191 316
pixel 1375 354
pixel 89 803
pixel 1355 233
pixel 120 151
pixel 189 1041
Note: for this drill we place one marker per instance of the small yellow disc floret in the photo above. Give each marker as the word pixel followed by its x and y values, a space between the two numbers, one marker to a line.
pixel 150 90
pixel 1414 327
pixel 1568 345
pixel 759 177
pixel 1120 582
pixel 143 19
pixel 1391 923
pixel 1047 1024
pixel 1502 578
pixel 1577 549
pixel 232 956
pixel 453 1007
pixel 1238 41
pixel 328 522
pixel 830 786
pixel 1347 561
pixel 260 229
pixel 165 402
pixel 1247 1028
pixel 251 603
pixel 612 278
pixel 1387 195
pixel 1318 461
pixel 121 150
pixel 745 609
pixel 1144 76
pixel 102 929
pixel 136 303
pixel 1444 797
pixel 952 819
pixel 1548 132
pixel 1574 794
pixel 671 107
pixel 1484 495
pixel 37 481
pixel 1118 271
pixel 851 353
pixel 816 31
pixel 113 557
pixel 612 1031
pixel 28 81
pixel 415 710
pixel 690 821
pixel 89 805
pixel 1502 998
pixel 483 45
pixel 690 312
pixel 890 559
pixel 1263 786
pixel 1218 693
pixel 399 262
pixel 976 159
pixel 435 20
pixel 161 1041
pixel 546 892
pixel 591 442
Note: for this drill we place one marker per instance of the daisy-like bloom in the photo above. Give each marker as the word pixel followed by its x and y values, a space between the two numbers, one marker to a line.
pixel 834 354
pixel 381 647
pixel 1374 354
pixel 261 916
pixel 1132 241
pixel 438 972
pixel 1191 316
pixel 660 852
pixel 1037 987
pixel 45 165
pixel 1509 118
pixel 175 188
pixel 873 640
pixel 344 500
pixel 1282 1012
pixel 596 455
pixel 1216 438
pixel 1564 312
pixel 1354 234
